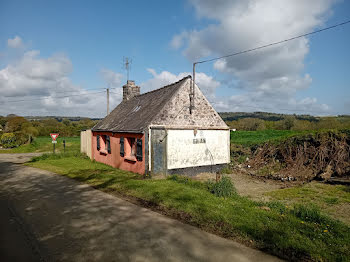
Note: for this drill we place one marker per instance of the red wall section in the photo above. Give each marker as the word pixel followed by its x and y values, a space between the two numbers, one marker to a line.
pixel 114 159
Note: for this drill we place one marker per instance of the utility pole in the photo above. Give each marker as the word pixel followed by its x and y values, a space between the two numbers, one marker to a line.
pixel 107 101
pixel 192 88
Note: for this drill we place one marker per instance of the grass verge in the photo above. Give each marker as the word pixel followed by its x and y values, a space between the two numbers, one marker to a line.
pixel 332 199
pixel 43 144
pixel 294 233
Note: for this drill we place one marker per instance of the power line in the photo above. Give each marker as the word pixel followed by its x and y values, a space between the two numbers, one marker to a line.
pixel 57 97
pixel 63 92
pixel 254 49
pixel 47 97
pixel 271 44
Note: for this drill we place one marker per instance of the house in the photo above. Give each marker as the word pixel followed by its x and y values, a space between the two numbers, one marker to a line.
pixel 156 132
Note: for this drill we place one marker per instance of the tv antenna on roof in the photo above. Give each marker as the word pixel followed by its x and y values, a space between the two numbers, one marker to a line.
pixel 127 64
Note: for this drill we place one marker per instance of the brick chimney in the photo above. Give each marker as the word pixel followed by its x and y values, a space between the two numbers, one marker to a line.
pixel 130 90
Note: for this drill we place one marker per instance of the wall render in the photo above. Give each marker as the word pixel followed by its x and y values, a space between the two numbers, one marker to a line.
pixel 207 147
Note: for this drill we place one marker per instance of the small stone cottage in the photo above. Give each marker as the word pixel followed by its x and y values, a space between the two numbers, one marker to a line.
pixel 155 132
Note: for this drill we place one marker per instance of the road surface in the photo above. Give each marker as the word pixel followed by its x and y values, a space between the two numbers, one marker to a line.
pixel 48 217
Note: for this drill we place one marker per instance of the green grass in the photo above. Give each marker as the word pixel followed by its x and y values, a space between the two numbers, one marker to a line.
pixel 43 144
pixel 332 199
pixel 250 138
pixel 293 233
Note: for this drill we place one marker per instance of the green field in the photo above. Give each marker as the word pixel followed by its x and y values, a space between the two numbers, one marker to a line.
pixel 250 138
pixel 293 232
pixel 43 144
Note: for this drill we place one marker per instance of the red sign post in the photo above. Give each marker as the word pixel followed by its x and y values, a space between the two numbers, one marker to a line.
pixel 54 137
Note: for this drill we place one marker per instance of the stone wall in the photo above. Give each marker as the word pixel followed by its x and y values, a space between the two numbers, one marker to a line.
pixel 130 90
pixel 177 113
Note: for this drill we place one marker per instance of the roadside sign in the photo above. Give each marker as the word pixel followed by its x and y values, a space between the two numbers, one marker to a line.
pixel 54 142
pixel 54 136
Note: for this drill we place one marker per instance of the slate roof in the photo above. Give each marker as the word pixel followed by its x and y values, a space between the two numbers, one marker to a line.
pixel 136 114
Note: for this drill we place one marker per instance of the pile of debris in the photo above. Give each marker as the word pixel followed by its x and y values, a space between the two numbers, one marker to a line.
pixel 316 156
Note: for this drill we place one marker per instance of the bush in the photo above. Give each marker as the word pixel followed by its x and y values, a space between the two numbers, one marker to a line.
pixel 250 124
pixel 223 188
pixel 21 138
pixel 8 140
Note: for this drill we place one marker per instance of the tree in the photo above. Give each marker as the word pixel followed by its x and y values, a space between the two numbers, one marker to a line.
pixel 251 124
pixel 287 123
pixel 301 125
pixel 3 121
pixel 329 123
pixel 66 122
pixel 30 131
pixel 8 140
pixel 14 124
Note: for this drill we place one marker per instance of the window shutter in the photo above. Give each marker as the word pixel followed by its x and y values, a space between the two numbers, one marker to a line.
pixel 122 146
pixel 98 142
pixel 108 140
pixel 139 149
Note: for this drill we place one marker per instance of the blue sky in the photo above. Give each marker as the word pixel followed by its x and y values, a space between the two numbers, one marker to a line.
pixel 81 44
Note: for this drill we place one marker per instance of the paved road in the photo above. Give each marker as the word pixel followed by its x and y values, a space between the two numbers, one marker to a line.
pixel 48 217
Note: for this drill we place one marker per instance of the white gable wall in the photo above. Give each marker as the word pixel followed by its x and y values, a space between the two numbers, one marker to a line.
pixel 207 147
pixel 176 112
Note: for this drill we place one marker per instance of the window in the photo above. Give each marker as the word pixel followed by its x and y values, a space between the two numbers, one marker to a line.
pixel 132 146
pixel 103 143
pixel 122 147
pixel 139 150
pixel 98 142
pixel 108 144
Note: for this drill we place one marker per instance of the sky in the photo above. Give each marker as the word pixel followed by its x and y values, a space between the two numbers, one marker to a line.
pixel 57 57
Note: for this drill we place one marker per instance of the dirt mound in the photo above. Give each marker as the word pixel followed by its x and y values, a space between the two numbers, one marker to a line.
pixel 315 156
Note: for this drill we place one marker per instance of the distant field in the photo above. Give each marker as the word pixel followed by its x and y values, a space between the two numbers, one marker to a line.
pixel 43 144
pixel 249 138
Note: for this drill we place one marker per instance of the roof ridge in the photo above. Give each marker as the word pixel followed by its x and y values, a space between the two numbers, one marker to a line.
pixel 126 115
pixel 186 77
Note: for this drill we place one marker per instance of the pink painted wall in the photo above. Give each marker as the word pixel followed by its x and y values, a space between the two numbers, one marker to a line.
pixel 114 159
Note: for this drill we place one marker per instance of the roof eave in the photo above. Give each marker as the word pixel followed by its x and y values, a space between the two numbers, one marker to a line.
pixel 119 131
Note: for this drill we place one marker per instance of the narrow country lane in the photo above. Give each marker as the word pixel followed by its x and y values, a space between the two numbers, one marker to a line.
pixel 48 217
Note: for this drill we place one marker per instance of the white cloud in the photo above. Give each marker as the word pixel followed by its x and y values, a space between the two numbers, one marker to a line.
pixel 235 25
pixel 252 101
pixel 16 42
pixel 33 77
pixel 178 40
pixel 206 83
pixel 113 79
